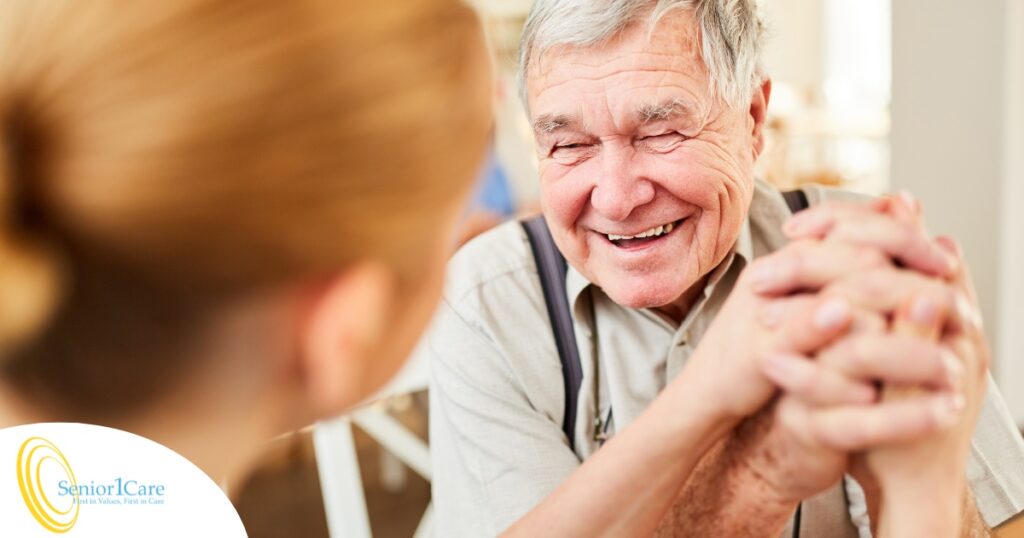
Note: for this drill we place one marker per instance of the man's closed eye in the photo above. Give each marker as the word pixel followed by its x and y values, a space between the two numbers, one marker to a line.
pixel 567 153
pixel 663 142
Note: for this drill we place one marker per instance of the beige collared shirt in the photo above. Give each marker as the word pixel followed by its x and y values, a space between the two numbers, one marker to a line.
pixel 497 397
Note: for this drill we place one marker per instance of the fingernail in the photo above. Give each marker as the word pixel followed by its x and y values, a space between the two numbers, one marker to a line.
pixel 954 368
pixel 908 200
pixel 831 314
pixel 950 246
pixel 952 263
pixel 969 315
pixel 796 224
pixel 950 253
pixel 947 409
pixel 923 311
pixel 765 275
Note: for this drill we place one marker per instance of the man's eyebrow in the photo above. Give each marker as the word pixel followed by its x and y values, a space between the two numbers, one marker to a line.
pixel 665 110
pixel 549 123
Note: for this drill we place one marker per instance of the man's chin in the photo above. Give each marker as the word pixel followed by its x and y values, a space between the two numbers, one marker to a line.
pixel 646 296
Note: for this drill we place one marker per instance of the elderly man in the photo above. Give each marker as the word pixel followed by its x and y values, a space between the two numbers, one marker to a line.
pixel 690 307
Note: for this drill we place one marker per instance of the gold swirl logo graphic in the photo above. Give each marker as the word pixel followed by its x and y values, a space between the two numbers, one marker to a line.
pixel 34 452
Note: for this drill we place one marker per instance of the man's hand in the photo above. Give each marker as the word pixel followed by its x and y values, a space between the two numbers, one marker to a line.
pixel 771 317
pixel 826 297
pixel 802 445
pixel 799 445
pixel 748 329
pixel 725 363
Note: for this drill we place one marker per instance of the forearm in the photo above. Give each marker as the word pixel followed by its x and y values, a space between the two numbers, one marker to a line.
pixel 924 510
pixel 725 496
pixel 626 487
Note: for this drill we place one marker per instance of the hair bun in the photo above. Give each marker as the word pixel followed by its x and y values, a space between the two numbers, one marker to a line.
pixel 30 276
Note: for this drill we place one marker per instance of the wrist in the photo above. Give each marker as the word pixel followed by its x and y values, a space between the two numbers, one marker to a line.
pixel 756 466
pixel 726 497
pixel 703 407
pixel 722 498
pixel 765 488
pixel 947 485
pixel 922 510
pixel 942 496
pixel 788 469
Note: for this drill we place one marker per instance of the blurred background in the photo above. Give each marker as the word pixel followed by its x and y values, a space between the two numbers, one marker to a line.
pixel 869 95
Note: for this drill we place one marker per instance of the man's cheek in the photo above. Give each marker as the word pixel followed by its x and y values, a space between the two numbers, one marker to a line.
pixel 698 176
pixel 563 201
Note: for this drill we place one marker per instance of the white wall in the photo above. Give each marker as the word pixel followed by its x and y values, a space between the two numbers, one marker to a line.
pixel 953 145
pixel 1010 349
pixel 794 52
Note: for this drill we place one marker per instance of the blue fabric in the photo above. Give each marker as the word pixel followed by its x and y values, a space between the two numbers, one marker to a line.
pixel 493 193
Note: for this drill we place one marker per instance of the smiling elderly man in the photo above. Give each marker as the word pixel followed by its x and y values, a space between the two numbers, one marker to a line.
pixel 686 298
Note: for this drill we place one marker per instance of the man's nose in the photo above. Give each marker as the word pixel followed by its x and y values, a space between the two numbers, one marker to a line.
pixel 619 189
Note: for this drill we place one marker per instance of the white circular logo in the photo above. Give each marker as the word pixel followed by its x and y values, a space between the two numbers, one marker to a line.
pixel 84 480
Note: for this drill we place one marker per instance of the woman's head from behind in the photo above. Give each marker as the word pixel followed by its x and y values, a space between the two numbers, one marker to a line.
pixel 197 192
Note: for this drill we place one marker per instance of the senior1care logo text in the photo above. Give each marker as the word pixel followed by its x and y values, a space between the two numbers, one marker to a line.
pixel 83 480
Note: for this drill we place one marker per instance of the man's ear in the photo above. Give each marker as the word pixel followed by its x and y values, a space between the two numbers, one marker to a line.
pixel 759 113
pixel 345 323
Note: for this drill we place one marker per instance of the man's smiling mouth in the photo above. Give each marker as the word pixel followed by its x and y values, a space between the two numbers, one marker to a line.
pixel 642 238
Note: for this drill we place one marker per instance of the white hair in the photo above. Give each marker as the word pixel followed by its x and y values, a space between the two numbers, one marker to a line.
pixel 731 34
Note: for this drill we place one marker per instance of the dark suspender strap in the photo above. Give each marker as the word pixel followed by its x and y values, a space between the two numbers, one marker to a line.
pixel 797 201
pixel 551 268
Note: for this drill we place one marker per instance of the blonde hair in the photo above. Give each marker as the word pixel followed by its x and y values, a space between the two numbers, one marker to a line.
pixel 160 158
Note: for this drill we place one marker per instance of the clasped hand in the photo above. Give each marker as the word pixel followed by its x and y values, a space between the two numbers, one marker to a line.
pixel 859 349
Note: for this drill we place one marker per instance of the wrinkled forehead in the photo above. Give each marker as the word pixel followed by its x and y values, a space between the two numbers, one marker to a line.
pixel 644 62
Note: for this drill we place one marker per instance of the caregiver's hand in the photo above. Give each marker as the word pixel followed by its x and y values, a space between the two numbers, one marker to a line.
pixel 725 365
pixel 924 477
pixel 923 484
pixel 769 457
pixel 890 224
pixel 748 328
pixel 803 445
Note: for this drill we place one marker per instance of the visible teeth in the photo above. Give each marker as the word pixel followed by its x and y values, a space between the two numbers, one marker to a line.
pixel 653 232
